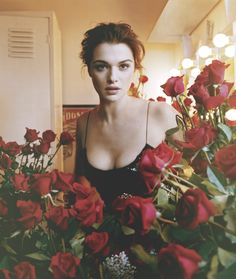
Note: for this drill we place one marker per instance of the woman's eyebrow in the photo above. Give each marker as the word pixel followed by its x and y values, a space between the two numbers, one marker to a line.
pixel 102 61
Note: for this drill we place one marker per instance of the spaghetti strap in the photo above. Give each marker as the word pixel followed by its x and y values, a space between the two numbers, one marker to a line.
pixel 147 121
pixel 86 130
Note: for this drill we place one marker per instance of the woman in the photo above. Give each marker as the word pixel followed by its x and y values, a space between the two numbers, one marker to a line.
pixel 112 136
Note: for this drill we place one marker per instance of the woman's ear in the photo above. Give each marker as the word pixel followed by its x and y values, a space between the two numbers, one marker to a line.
pixel 89 72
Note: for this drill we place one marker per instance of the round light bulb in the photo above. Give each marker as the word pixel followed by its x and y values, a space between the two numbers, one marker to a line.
pixel 187 63
pixel 175 72
pixel 230 51
pixel 195 72
pixel 208 61
pixel 231 114
pixel 220 40
pixel 204 51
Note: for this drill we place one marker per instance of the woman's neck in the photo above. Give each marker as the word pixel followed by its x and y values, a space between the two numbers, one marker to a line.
pixel 111 111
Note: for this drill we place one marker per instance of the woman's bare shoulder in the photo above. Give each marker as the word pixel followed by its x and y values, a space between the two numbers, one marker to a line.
pixel 164 113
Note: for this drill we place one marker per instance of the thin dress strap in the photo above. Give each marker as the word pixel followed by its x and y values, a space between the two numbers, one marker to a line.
pixel 147 122
pixel 86 130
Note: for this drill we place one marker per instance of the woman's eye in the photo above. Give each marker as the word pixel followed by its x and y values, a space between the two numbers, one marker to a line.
pixel 100 67
pixel 124 66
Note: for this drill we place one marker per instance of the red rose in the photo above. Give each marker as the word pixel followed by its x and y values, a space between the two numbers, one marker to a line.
pixel 25 270
pixel 31 213
pixel 217 71
pixel 197 138
pixel 62 181
pixel 27 149
pixel 199 92
pixel 66 138
pixel 48 136
pixel 174 86
pixel 161 99
pixel 176 105
pixel 225 159
pixel 88 208
pixel 232 100
pixel 143 79
pixel 13 148
pixel 199 165
pixel 5 162
pixel 42 183
pixel 42 148
pixel 154 161
pixel 97 241
pixel 213 102
pixel 2 143
pixel 64 265
pixel 203 77
pixel 58 216
pixel 20 182
pixel 3 208
pixel 31 135
pixel 224 89
pixel 136 212
pixel 194 208
pixel 5 274
pixel 176 261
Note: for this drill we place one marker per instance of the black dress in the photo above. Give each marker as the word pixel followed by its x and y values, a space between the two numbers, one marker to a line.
pixel 114 182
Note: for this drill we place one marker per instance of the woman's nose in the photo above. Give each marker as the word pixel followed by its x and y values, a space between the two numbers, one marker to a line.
pixel 112 75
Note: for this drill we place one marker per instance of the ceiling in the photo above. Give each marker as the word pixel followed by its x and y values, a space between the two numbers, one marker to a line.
pixel 154 20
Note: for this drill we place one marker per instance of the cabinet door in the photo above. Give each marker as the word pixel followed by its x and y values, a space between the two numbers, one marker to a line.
pixel 24 76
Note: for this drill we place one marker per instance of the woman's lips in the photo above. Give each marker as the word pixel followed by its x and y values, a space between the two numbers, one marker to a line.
pixel 112 90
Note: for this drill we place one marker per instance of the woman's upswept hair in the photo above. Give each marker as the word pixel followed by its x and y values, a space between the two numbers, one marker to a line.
pixel 112 33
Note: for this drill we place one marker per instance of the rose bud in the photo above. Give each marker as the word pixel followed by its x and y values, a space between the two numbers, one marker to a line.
pixel 136 212
pixel 48 136
pixel 176 261
pixel 31 213
pixel 97 242
pixel 64 265
pixel 194 208
pixel 31 135
pixel 66 138
pixel 25 270
pixel 225 159
pixel 174 86
pixel 3 208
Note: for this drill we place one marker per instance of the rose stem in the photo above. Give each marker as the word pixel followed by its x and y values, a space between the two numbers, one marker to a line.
pixel 222 227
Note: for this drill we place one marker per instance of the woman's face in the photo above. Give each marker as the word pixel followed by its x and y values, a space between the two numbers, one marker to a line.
pixel 111 70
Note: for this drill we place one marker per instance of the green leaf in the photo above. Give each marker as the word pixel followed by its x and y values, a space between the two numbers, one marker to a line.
pixel 38 256
pixel 226 131
pixel 162 197
pixel 229 217
pixel 211 188
pixel 127 230
pixel 228 273
pixel 77 247
pixel 226 258
pixel 216 178
pixel 184 235
pixel 5 263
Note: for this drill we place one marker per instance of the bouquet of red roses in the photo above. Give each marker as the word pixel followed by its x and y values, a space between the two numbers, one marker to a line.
pixel 193 181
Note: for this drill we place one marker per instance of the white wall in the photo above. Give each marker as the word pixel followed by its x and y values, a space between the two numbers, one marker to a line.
pixel 77 88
